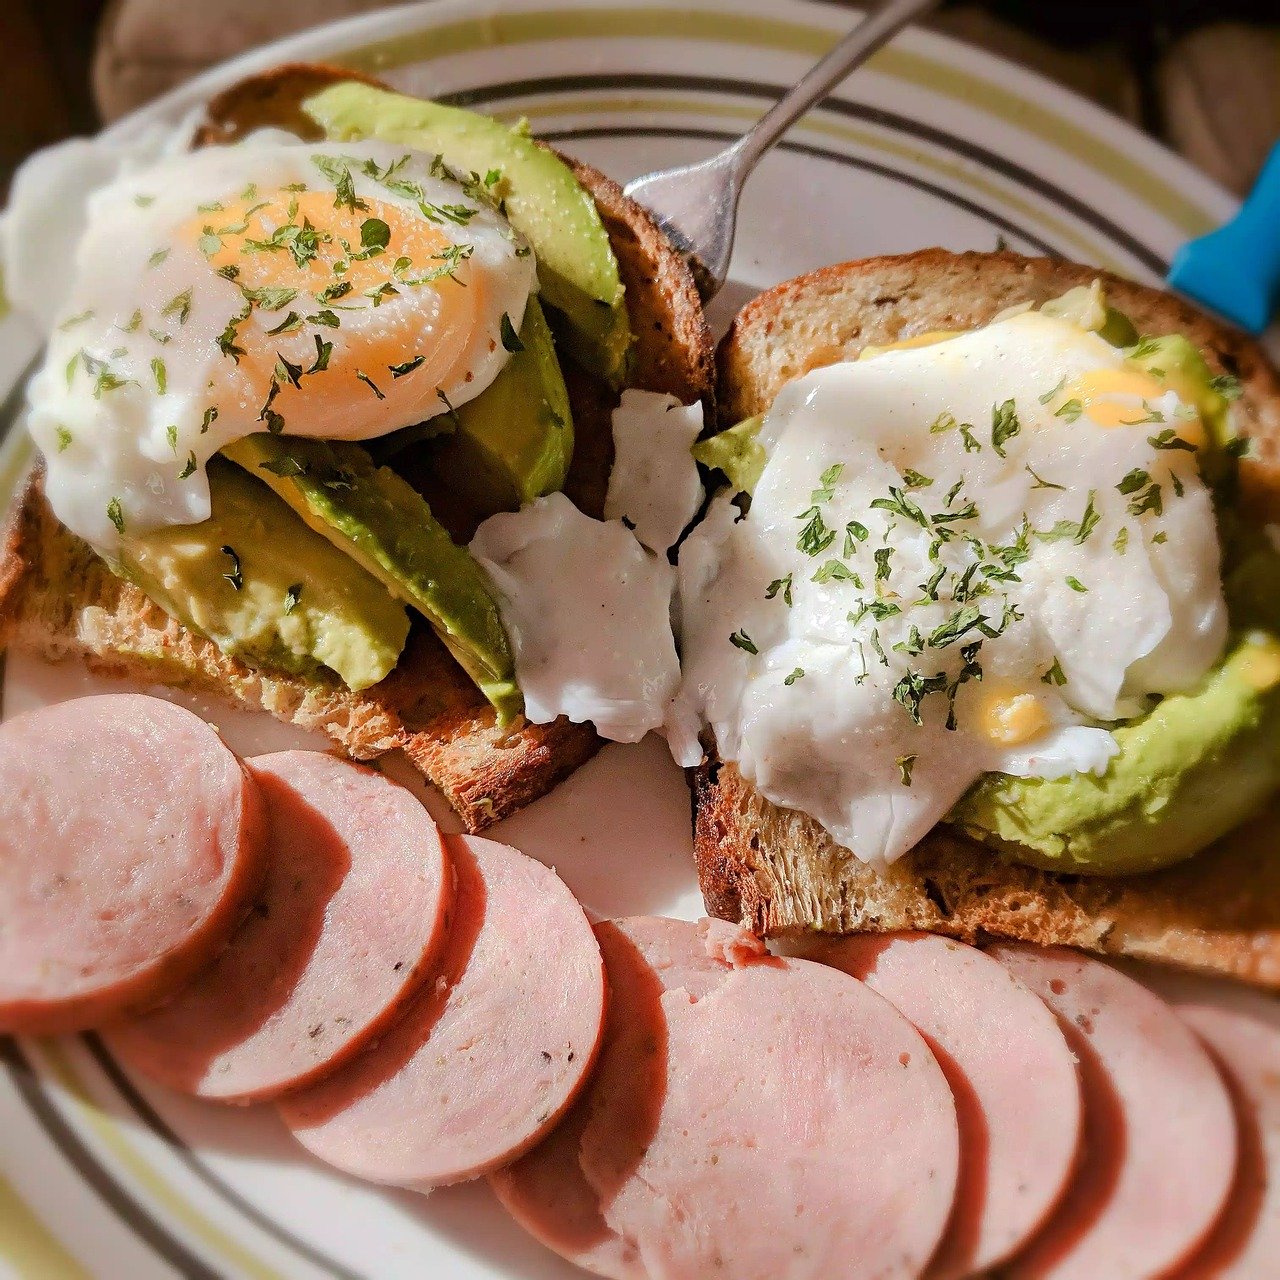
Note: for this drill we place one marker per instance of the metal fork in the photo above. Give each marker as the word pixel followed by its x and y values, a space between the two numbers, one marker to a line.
pixel 697 204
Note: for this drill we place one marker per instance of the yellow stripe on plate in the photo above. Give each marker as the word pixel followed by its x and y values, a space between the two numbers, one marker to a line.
pixel 112 1136
pixel 1092 249
pixel 540 25
pixel 28 1246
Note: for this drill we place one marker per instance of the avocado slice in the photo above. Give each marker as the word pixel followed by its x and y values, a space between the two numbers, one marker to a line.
pixel 1174 360
pixel 263 587
pixel 576 265
pixel 384 525
pixel 514 441
pixel 1193 769
pixel 736 452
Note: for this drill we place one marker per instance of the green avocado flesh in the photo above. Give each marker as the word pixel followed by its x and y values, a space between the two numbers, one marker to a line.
pixel 262 586
pixel 1190 771
pixel 383 524
pixel 1199 764
pixel 542 199
pixel 513 442
pixel 736 452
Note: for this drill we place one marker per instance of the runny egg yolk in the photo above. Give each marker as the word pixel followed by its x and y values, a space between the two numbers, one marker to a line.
pixel 1117 398
pixel 1009 719
pixel 302 252
pixel 929 339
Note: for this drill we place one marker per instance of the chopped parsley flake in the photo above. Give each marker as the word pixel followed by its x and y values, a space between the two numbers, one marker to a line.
pixel 210 417
pixel 815 537
pixel 1004 425
pixel 854 532
pixel 286 467
pixel 64 439
pixel 160 374
pixel 899 504
pixel 189 469
pixel 1055 674
pixel 1076 585
pixel 400 370
pixel 291 598
pixel 1227 385
pixel 905 765
pixel 235 577
pixel 269 299
pixel 1149 415
pixel 510 338
pixel 116 514
pixel 1121 542
pixel 780 584
pixel 1041 483
pixel 915 480
pixel 837 571
pixel 375 235
pixel 1073 530
pixel 971 442
pixel 179 305
pixel 290 324
pixel 323 351
pixel 449 411
pixel 1053 394
pixel 827 480
pixel 369 382
pixel 914 687
pixel 796 674
pixel 1170 439
pixel 740 640
pixel 1069 410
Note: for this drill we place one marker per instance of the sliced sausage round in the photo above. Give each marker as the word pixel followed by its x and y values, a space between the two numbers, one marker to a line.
pixel 351 916
pixel 489 1055
pixel 739 1121
pixel 132 842
pixel 1159 1152
pixel 1014 1079
pixel 1242 1029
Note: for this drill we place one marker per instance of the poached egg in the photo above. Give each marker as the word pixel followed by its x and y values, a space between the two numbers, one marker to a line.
pixel 964 555
pixel 337 291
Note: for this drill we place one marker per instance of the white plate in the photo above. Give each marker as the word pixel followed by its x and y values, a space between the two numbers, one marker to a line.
pixel 933 143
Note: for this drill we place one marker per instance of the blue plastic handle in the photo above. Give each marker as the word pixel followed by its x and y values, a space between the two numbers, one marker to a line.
pixel 1260 218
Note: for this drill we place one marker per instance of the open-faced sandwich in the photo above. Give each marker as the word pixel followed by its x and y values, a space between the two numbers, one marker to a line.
pixel 994 649
pixel 292 368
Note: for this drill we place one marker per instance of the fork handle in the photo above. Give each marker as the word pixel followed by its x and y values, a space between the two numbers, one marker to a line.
pixel 873 31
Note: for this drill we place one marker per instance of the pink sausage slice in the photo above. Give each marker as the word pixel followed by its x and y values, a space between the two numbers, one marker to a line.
pixel 739 1122
pixel 489 1056
pixel 1242 1029
pixel 1159 1151
pixel 352 915
pixel 1014 1079
pixel 131 843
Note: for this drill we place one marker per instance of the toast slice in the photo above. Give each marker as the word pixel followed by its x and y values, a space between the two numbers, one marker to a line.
pixel 777 871
pixel 59 600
